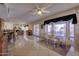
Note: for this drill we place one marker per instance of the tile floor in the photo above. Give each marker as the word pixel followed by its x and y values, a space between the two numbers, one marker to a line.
pixel 29 47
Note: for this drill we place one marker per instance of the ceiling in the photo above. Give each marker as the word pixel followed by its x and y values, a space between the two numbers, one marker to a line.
pixel 23 12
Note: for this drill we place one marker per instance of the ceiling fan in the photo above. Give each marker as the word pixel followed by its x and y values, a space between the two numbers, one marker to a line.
pixel 6 5
pixel 40 10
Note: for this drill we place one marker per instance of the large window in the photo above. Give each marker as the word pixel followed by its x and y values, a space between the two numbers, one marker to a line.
pixel 36 32
pixel 72 31
pixel 60 30
pixel 36 29
pixel 50 29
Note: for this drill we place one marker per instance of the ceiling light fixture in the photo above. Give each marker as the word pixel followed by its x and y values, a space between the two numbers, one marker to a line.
pixel 39 12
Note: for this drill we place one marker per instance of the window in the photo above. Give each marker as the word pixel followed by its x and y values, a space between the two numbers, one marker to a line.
pixel 71 31
pixel 36 32
pixel 50 29
pixel 36 29
pixel 60 30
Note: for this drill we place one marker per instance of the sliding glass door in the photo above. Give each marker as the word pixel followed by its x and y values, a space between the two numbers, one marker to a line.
pixel 60 30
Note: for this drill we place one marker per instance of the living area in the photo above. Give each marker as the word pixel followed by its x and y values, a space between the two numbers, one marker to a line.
pixel 39 29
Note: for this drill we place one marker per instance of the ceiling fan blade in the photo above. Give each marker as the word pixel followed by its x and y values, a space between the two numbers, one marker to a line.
pixel 37 6
pixel 46 7
pixel 45 11
pixel 34 13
